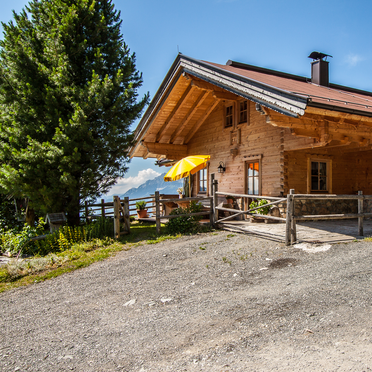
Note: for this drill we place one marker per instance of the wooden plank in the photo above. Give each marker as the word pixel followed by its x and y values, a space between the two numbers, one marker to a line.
pixel 166 149
pixel 200 121
pixel 340 216
pixel 188 116
pixel 172 115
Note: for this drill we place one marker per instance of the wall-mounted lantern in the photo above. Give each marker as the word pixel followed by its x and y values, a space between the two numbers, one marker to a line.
pixel 221 168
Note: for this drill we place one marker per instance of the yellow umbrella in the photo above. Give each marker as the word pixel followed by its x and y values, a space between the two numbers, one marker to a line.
pixel 186 166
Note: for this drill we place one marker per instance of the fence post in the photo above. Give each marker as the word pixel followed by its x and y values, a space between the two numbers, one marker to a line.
pixel 126 215
pixel 157 212
pixel 116 201
pixel 360 211
pixel 293 222
pixel 215 200
pixel 211 212
pixel 289 217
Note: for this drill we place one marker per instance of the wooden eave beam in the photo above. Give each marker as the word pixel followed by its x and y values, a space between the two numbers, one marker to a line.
pixel 169 150
pixel 225 95
pixel 200 121
pixel 171 117
pixel 218 94
pixel 338 115
pixel 189 116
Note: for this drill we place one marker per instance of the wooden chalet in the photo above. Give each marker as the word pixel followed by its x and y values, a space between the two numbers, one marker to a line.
pixel 270 131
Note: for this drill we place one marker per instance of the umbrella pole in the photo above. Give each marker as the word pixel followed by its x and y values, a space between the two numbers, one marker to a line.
pixel 190 185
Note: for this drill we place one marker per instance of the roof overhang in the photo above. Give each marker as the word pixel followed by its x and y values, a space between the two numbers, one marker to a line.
pixel 279 100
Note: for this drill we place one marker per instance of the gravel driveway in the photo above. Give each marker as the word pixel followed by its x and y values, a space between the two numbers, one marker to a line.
pixel 210 302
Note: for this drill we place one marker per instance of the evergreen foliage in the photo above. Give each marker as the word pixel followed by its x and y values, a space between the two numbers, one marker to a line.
pixel 68 95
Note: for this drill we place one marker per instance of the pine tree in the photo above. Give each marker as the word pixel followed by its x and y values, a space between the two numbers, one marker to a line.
pixel 68 95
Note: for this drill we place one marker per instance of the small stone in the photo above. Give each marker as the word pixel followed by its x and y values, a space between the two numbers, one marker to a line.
pixel 263 268
pixel 165 300
pixel 130 303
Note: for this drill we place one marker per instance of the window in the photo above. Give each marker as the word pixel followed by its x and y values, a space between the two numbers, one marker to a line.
pixel 319 175
pixel 203 181
pixel 253 178
pixel 243 112
pixel 229 116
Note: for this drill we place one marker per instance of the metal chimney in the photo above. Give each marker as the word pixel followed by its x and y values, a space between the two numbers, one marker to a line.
pixel 319 69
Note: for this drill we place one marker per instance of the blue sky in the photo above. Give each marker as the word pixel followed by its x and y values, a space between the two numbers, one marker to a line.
pixel 267 33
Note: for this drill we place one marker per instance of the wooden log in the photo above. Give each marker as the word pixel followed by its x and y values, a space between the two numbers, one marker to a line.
pixel 116 201
pixel 331 196
pixel 289 218
pixel 360 212
pixel 126 216
pixel 215 200
pixel 157 212
pixel 185 215
pixel 341 216
pixel 235 195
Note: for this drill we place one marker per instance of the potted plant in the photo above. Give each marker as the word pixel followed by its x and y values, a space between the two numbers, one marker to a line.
pixel 180 192
pixel 264 210
pixel 141 209
pixel 230 199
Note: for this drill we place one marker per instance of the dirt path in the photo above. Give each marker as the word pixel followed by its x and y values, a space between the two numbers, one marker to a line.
pixel 211 302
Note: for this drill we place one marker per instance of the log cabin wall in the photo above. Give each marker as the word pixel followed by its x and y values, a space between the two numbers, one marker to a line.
pixel 258 141
pixel 351 171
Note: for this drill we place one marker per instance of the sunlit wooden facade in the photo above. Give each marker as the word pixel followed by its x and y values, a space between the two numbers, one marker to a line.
pixel 272 131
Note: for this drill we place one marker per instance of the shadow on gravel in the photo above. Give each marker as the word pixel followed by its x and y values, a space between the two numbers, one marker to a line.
pixel 283 262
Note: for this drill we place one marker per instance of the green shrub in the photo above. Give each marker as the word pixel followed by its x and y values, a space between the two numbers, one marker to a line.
pixel 185 224
pixel 263 210
pixel 15 242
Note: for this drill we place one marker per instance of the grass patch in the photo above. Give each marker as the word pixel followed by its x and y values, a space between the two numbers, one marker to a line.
pixel 37 269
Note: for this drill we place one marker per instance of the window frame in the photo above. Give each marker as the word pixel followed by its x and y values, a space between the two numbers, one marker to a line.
pixel 239 111
pixel 328 175
pixel 226 115
pixel 204 180
pixel 253 161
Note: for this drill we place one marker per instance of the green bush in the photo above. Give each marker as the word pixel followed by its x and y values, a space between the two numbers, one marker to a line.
pixel 263 210
pixel 15 242
pixel 185 224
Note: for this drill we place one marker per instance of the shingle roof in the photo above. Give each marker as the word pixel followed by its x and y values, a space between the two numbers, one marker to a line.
pixel 334 97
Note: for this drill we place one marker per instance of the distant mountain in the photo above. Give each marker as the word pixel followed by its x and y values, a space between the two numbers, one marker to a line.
pixel 149 187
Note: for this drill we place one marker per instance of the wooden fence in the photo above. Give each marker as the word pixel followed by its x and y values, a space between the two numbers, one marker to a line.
pixel 209 210
pixel 120 210
pixel 292 218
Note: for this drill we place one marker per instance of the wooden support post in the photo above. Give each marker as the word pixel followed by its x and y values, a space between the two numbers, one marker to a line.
pixel 215 200
pixel 242 207
pixel 157 211
pixel 211 212
pixel 103 208
pixel 293 222
pixel 126 215
pixel 116 201
pixel 288 225
pixel 360 211
pixel 86 212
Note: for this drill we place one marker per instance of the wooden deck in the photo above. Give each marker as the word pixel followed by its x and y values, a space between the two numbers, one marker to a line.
pixel 307 232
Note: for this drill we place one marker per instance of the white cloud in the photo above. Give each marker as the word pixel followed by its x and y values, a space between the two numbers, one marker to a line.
pixel 124 184
pixel 353 59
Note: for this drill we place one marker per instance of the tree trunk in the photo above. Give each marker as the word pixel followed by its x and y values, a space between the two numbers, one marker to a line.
pixel 73 210
pixel 30 216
